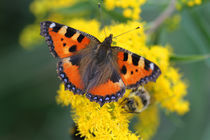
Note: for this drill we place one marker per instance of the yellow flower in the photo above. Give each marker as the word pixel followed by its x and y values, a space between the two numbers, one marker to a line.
pixel 127 12
pixel 111 121
pixel 189 3
pixel 46 10
pixel 194 2
pixel 131 8
pixel 148 122
pixel 95 122
pixel 30 36
pixel 169 89
pixel 173 22
pixel 41 7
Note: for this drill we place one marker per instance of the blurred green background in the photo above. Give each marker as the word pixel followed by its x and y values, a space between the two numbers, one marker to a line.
pixel 28 78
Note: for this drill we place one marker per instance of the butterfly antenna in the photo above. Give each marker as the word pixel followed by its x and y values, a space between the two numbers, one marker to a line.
pixel 127 32
pixel 101 17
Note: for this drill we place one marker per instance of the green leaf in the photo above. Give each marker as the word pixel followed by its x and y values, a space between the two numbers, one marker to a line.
pixel 189 58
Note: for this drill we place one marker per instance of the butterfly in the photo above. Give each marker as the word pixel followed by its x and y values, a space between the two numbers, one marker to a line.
pixel 100 71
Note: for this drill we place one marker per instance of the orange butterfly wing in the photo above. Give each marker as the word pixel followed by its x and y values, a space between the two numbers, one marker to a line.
pixel 135 70
pixel 109 91
pixel 68 71
pixel 65 41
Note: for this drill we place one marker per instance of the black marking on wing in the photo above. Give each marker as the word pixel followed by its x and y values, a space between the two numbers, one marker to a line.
pixel 56 28
pixel 73 48
pixel 70 32
pixel 146 64
pixel 80 38
pixel 125 56
pixel 135 59
pixel 124 70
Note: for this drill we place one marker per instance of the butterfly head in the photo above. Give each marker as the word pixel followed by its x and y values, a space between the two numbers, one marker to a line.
pixel 107 41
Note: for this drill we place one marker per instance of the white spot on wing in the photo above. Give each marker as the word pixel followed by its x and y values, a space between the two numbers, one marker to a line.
pixel 151 66
pixel 52 25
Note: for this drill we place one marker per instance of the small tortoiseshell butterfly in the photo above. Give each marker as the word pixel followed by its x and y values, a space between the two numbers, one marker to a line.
pixel 96 68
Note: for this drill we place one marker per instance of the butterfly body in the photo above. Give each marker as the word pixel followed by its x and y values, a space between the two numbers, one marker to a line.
pixel 97 65
pixel 89 66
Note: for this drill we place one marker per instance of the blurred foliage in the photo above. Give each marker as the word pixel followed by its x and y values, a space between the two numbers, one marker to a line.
pixel 28 83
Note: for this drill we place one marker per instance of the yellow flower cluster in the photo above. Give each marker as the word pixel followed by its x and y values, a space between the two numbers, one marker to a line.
pixel 131 8
pixel 189 3
pixel 148 122
pixel 193 2
pixel 171 92
pixel 47 8
pixel 41 7
pixel 169 89
pixel 173 22
pixel 95 122
pixel 30 36
pixel 111 121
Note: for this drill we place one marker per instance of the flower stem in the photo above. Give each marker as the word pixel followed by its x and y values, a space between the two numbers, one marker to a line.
pixel 163 16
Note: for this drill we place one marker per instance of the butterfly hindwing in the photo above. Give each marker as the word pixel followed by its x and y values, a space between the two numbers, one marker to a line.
pixel 68 71
pixel 65 41
pixel 135 70
pixel 111 90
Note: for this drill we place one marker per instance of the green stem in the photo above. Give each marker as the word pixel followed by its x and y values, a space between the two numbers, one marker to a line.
pixel 190 58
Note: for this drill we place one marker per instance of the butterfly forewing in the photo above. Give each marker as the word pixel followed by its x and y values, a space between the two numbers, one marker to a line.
pixel 65 41
pixel 135 70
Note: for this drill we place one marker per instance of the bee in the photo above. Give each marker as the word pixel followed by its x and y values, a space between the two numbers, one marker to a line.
pixel 137 101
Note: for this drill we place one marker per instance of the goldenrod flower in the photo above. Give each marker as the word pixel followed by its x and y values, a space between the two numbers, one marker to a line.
pixel 95 122
pixel 189 3
pixel 111 121
pixel 193 2
pixel 131 8
pixel 148 122
pixel 173 22
pixel 30 36
pixel 41 7
pixel 47 10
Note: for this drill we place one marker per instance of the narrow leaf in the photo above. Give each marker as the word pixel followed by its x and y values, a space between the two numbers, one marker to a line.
pixel 189 58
